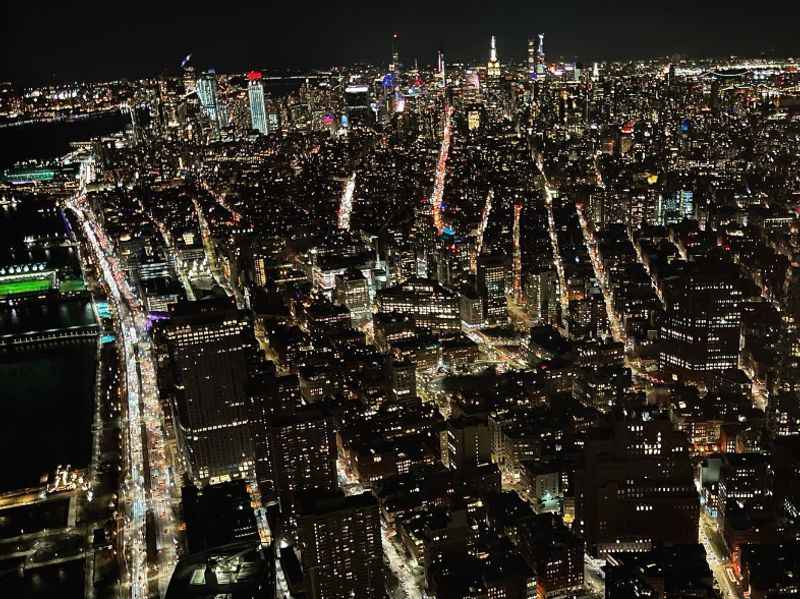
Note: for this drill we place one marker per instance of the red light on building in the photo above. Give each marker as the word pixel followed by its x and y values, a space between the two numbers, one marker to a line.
pixel 254 75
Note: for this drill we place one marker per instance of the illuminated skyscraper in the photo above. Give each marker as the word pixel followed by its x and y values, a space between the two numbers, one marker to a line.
pixel 440 66
pixel 258 112
pixel 207 93
pixel 493 66
pixel 357 105
pixel 701 329
pixel 208 353
pixel 540 56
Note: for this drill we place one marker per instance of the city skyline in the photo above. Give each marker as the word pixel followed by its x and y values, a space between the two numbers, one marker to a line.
pixel 58 44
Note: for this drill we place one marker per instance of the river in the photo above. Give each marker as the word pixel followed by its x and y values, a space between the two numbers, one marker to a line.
pixel 47 391
pixel 46 141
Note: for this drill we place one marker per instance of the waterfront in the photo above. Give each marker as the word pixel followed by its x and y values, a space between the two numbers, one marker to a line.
pixel 47 141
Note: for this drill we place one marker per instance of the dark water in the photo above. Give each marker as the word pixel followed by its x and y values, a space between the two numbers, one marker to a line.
pixel 45 141
pixel 45 315
pixel 46 399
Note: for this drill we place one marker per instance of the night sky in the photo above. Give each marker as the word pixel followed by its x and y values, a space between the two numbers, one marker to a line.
pixel 57 41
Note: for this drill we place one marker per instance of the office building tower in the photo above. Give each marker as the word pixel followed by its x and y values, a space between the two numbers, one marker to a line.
pixel 358 106
pixel 637 487
pixel 700 334
pixel 541 291
pixel 466 443
pixel 258 111
pixel 434 308
pixel 304 454
pixel 207 93
pixel 402 380
pixel 441 68
pixel 493 66
pixel 352 291
pixel 341 544
pixel 673 207
pixel 277 396
pixel 209 352
pixel 492 271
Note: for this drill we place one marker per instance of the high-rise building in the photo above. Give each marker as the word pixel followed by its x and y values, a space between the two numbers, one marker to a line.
pixel 637 487
pixel 492 271
pixel 441 67
pixel 493 66
pixel 357 106
pixel 258 111
pixel 433 307
pixel 209 352
pixel 466 443
pixel 541 291
pixel 352 291
pixel 304 454
pixel 341 544
pixel 700 334
pixel 207 93
pixel 673 207
pixel 279 396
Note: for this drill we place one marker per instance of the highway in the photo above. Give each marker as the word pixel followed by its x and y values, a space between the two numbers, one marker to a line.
pixel 145 424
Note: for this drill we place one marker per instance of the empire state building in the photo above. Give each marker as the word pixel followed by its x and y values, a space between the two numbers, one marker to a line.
pixel 493 66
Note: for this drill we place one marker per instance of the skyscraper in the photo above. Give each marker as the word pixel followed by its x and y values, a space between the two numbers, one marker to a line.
pixel 357 102
pixel 207 93
pixel 341 543
pixel 493 66
pixel 304 452
pixel 540 56
pixel 208 352
pixel 636 487
pixel 258 112
pixel 492 270
pixel 701 329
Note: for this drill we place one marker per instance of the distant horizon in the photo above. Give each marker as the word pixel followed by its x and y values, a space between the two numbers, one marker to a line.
pixel 516 61
pixel 92 43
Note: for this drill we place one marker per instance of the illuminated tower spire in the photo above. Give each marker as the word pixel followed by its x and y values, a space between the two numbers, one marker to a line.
pixel 540 56
pixel 395 66
pixel 493 67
